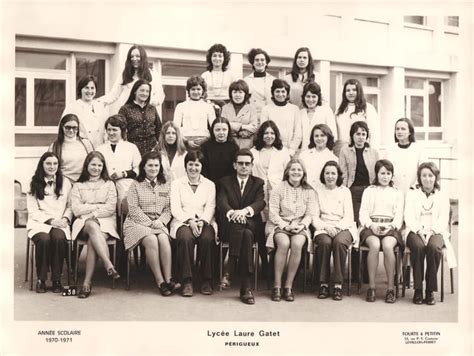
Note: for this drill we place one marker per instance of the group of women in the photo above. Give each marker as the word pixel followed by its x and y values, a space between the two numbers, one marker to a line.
pixel 325 185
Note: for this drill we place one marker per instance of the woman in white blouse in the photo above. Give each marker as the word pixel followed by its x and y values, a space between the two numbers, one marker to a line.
pixel 319 151
pixel 381 217
pixel 136 67
pixel 193 203
pixel 314 112
pixel 406 155
pixel 427 219
pixel 172 149
pixel 49 217
pixel 91 113
pixel 284 115
pixel 121 157
pixel 335 228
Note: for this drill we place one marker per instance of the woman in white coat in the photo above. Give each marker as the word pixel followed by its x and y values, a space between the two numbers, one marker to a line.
pixel 49 217
pixel 93 203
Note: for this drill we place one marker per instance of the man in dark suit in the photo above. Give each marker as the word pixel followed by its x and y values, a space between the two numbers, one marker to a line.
pixel 240 199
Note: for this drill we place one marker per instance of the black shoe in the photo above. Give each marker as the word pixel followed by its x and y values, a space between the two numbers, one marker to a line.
pixel 288 294
pixel 84 292
pixel 323 292
pixel 246 296
pixel 370 295
pixel 187 289
pixel 206 288
pixel 276 294
pixel 57 287
pixel 430 299
pixel 172 285
pixel 40 286
pixel 390 296
pixel 337 294
pixel 112 273
pixel 165 289
pixel 418 297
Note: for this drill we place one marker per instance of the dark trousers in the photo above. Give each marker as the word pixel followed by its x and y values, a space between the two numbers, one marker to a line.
pixel 356 192
pixel 433 253
pixel 338 246
pixel 245 258
pixel 185 241
pixel 50 253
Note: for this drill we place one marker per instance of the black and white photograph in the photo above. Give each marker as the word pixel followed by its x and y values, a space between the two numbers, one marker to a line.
pixel 210 178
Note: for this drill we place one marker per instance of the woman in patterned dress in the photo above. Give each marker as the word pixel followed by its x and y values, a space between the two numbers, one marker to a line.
pixel 143 121
pixel 148 216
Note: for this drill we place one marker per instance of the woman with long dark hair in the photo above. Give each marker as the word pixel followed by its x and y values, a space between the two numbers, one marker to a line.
pixel 49 217
pixel 136 67
pixel 94 203
pixel 70 148
pixel 143 121
pixel 148 216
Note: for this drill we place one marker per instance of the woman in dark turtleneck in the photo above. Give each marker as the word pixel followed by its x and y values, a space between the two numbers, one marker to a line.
pixel 241 115
pixel 172 149
pixel 259 81
pixel 284 115
pixel 219 151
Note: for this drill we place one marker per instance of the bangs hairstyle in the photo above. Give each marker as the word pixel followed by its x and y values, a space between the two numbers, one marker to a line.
pixel 117 120
pixel 286 173
pixel 326 131
pixel 85 175
pixel 221 49
pixel 162 146
pixel 134 90
pixel 378 166
pixel 83 83
pixel 295 70
pixel 143 71
pixel 220 120
pixel 259 143
pixel 411 129
pixel 58 143
pixel 38 182
pixel 193 155
pixel 160 178
pixel 279 84
pixel 356 126
pixel 314 88
pixel 339 173
pixel 255 52
pixel 196 80
pixel 360 102
pixel 240 85
pixel 433 168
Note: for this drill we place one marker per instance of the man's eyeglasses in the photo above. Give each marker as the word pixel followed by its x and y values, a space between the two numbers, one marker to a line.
pixel 71 128
pixel 246 164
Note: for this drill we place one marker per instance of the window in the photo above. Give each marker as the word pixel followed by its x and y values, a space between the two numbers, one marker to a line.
pixel 452 21
pixel 44 82
pixel 423 100
pixel 416 20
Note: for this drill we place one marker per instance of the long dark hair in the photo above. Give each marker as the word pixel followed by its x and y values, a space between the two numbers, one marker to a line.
pixel 85 175
pixel 259 143
pixel 57 145
pixel 339 179
pixel 143 70
pixel 135 87
pixel 295 70
pixel 141 167
pixel 38 183
pixel 360 102
pixel 313 88
pixel 221 49
pixel 221 120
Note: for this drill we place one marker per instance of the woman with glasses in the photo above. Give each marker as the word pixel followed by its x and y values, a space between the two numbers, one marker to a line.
pixel 70 148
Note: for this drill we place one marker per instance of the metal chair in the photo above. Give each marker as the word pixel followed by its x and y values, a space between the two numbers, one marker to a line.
pixel 223 245
pixel 397 252
pixel 349 268
pixel 30 256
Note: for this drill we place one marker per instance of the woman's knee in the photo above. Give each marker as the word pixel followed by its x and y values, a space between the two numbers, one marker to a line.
pixel 297 242
pixel 163 240
pixel 57 235
pixel 150 242
pixel 373 243
pixel 323 240
pixel 388 243
pixel 282 241
pixel 91 226
pixel 184 234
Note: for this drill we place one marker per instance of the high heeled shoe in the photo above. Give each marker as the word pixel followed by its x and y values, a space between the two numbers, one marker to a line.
pixel 84 292
pixel 112 273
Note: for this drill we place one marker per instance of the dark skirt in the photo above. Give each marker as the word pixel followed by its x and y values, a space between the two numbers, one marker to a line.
pixel 366 232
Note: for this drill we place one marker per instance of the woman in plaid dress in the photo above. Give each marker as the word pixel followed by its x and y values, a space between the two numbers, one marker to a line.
pixel 148 216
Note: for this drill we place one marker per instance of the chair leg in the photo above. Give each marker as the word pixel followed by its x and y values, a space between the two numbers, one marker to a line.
pixel 114 260
pixel 359 286
pixel 305 265
pixel 397 281
pixel 256 266
pixel 452 280
pixel 128 257
pixel 27 257
pixel 76 264
pixel 69 257
pixel 220 266
pixel 32 262
pixel 349 271
pixel 442 279
pixel 404 274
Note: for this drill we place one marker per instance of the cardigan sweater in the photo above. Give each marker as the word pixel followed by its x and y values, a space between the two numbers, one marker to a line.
pixel 348 163
pixel 194 117
pixel 260 91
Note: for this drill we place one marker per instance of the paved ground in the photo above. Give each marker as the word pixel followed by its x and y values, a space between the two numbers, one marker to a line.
pixel 144 303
